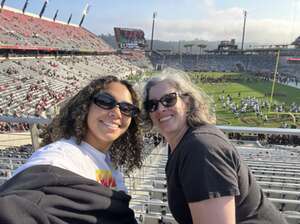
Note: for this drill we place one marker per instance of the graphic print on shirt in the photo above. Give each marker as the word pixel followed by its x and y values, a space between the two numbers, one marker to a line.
pixel 105 178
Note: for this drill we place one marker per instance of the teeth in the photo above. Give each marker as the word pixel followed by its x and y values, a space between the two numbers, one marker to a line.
pixel 111 125
pixel 165 118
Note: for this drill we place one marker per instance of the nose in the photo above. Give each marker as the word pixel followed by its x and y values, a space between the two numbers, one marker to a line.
pixel 161 107
pixel 115 112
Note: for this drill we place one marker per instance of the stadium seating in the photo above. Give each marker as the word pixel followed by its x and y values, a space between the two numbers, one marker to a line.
pixel 279 179
pixel 25 31
pixel 276 174
pixel 32 86
pixel 261 63
pixel 138 58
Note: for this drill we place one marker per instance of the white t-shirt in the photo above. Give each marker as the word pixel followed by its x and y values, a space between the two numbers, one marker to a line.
pixel 81 159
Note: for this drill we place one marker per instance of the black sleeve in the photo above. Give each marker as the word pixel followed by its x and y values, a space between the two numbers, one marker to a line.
pixel 17 209
pixel 208 168
pixel 46 194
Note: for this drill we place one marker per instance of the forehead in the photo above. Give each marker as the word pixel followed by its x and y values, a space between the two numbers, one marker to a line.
pixel 161 89
pixel 119 91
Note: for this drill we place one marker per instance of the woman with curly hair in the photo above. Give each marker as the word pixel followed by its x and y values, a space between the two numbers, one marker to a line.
pixel 95 133
pixel 75 177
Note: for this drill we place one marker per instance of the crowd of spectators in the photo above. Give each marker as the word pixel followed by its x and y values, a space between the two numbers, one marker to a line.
pixel 27 31
pixel 283 140
pixel 138 58
pixel 31 87
pixel 267 139
pixel 17 127
pixel 12 157
pixel 153 139
pixel 282 78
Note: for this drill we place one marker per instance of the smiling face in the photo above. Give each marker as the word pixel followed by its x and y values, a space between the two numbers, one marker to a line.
pixel 171 121
pixel 105 126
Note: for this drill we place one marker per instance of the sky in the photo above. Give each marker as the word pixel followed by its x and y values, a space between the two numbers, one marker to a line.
pixel 268 21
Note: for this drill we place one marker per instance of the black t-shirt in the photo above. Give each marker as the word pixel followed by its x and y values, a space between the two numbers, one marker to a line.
pixel 206 165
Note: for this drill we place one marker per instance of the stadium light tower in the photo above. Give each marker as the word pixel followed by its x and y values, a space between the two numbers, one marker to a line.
pixel 244 27
pixel 43 9
pixel 25 6
pixel 55 16
pixel 2 3
pixel 85 12
pixel 153 21
pixel 69 20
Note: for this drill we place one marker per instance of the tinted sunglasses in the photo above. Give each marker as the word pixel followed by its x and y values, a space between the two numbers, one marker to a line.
pixel 108 102
pixel 167 100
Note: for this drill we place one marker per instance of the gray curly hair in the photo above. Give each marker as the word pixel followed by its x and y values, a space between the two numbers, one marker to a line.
pixel 199 106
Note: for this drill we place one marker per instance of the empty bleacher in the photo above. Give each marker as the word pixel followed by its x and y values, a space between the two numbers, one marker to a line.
pixel 276 170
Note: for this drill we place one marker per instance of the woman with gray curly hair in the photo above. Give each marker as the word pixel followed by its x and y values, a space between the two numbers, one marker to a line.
pixel 207 181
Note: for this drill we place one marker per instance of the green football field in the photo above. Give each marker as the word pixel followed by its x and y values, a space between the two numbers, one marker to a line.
pixel 248 86
pixel 240 86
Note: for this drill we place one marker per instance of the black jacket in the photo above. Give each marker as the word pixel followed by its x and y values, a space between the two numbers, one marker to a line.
pixel 50 195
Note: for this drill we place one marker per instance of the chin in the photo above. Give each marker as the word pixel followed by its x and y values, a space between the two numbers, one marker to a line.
pixel 111 137
pixel 166 129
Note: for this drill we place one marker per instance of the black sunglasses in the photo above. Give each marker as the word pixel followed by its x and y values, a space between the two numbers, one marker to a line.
pixel 108 102
pixel 167 100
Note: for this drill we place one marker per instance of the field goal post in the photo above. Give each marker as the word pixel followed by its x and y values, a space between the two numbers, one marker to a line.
pixel 272 94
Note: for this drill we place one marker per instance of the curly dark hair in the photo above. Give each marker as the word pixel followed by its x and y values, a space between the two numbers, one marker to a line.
pixel 125 152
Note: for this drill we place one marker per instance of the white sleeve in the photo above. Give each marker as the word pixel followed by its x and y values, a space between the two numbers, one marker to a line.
pixel 51 154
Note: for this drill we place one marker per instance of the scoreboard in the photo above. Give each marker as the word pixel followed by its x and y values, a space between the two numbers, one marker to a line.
pixel 128 38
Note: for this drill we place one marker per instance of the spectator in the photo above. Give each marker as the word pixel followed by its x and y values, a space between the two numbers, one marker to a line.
pixel 95 133
pixel 207 181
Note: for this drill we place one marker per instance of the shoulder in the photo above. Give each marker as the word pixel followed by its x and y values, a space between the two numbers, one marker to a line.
pixel 207 137
pixel 206 164
pixel 52 154
pixel 56 151
pixel 208 143
pixel 206 134
pixel 60 146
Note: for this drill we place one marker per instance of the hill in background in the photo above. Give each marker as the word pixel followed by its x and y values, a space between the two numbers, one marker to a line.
pixel 167 45
pixel 173 45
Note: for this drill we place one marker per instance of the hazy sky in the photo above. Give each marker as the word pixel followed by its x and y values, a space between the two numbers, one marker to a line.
pixel 268 21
